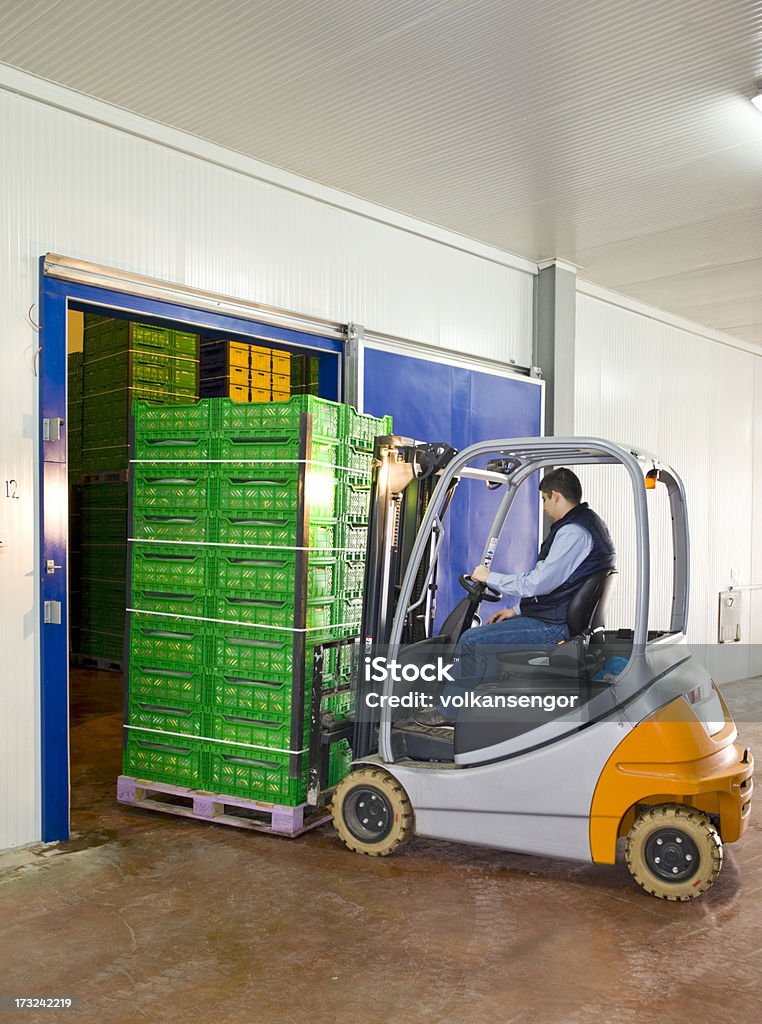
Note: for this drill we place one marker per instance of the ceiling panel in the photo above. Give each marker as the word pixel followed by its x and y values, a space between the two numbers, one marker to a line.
pixel 616 135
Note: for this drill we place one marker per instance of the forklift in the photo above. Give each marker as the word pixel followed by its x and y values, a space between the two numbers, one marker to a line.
pixel 639 743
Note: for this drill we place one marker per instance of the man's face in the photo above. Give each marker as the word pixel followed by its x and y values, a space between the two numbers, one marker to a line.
pixel 551 505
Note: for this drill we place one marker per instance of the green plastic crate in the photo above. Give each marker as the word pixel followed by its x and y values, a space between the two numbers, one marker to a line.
pixel 272 733
pixel 103 495
pixel 272 573
pixel 339 761
pixel 98 460
pixel 159 639
pixel 107 587
pixel 248 652
pixel 353 538
pixel 172 489
pixel 160 526
pixel 354 502
pixel 259 775
pixel 185 718
pixel 351 614
pixel 159 566
pixel 356 460
pixel 108 596
pixel 168 685
pixel 247 418
pixel 180 762
pixel 189 448
pixel 275 446
pixel 184 375
pixel 101 644
pixel 109 527
pixel 360 430
pixel 165 421
pixel 273 532
pixel 352 578
pixel 249 697
pixel 109 335
pixel 246 607
pixel 180 601
pixel 339 704
pixel 144 336
pixel 99 620
pixel 274 488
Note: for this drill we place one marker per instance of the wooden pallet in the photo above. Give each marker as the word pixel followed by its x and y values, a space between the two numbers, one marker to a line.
pixel 240 812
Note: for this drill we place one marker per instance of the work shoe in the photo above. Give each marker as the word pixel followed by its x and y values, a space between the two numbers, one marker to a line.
pixel 432 718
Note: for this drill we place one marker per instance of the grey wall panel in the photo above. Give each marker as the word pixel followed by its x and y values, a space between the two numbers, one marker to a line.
pixel 694 402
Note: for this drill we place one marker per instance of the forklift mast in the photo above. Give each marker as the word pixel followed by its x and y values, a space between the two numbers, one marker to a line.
pixel 405 473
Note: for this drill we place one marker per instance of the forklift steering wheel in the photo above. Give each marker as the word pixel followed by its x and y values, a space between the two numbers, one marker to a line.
pixel 481 590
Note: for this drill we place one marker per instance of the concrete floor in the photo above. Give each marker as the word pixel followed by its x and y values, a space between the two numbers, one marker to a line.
pixel 143 916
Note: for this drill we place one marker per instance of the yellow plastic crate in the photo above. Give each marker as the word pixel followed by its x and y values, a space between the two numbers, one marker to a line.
pixel 281 363
pixel 260 395
pixel 260 359
pixel 239 374
pixel 239 392
pixel 239 354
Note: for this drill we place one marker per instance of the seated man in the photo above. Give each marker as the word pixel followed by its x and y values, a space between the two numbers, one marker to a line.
pixel 578 545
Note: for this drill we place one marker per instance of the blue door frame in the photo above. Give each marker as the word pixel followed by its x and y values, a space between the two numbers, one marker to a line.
pixel 56 296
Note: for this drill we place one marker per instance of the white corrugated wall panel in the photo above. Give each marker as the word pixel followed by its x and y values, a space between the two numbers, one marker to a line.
pixel 693 402
pixel 85 190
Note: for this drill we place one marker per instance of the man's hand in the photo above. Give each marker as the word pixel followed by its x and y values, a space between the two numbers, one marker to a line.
pixel 502 615
pixel 480 574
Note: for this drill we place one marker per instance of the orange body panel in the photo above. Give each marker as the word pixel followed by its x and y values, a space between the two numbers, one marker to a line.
pixel 670 758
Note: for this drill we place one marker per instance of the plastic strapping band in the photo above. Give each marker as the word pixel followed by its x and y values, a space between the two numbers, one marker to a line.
pixel 209 739
pixel 246 625
pixel 248 462
pixel 222 544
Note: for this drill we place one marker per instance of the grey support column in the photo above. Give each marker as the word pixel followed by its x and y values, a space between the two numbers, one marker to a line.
pixel 554 336
pixel 354 370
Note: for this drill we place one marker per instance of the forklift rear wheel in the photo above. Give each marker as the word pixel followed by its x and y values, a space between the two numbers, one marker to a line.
pixel 371 812
pixel 674 852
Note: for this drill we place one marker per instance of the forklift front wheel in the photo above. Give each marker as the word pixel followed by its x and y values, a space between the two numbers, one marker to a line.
pixel 371 812
pixel 674 852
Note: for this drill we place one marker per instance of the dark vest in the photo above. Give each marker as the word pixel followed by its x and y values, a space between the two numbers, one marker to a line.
pixel 552 607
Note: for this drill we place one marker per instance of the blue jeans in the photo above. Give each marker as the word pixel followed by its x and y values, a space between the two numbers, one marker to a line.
pixel 475 654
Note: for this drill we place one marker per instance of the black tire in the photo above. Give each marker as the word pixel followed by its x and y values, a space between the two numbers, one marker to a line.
pixel 674 852
pixel 372 813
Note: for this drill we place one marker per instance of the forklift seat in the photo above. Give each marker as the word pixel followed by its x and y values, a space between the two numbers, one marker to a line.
pixel 568 667
pixel 582 654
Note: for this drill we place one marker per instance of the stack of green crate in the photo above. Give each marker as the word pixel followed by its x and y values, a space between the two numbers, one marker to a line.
pixel 103 563
pixel 358 436
pixel 122 362
pixel 235 578
pixel 304 375
pixel 74 458
pixel 74 413
pixel 75 567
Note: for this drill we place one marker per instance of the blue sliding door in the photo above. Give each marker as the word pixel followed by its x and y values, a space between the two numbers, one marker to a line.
pixel 433 401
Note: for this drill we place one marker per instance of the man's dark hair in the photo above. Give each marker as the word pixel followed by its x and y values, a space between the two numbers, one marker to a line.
pixel 565 482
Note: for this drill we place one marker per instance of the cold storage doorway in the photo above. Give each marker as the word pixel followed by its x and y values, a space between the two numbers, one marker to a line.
pixel 63 304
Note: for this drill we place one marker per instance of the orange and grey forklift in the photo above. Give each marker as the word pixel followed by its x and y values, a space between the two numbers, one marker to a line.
pixel 646 750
